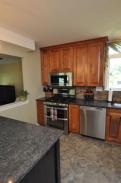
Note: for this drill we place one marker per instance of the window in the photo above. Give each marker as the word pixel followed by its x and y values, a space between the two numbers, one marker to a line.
pixel 113 75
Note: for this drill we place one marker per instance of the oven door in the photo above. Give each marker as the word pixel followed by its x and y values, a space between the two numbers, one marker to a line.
pixel 57 117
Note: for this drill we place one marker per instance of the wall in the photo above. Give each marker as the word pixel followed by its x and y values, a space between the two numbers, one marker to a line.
pixel 11 74
pixel 31 81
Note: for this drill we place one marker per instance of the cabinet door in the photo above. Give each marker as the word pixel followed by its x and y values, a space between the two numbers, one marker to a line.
pixel 45 65
pixel 113 126
pixel 40 112
pixel 95 64
pixel 80 64
pixel 67 59
pixel 55 60
pixel 74 118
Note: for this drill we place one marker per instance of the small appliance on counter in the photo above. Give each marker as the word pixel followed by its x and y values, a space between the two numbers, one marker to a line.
pixel 48 91
pixel 89 94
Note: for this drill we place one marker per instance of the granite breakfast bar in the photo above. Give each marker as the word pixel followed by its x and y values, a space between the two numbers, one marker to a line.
pixel 28 153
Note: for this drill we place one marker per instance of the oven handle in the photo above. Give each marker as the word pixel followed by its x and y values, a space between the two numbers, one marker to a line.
pixel 63 109
pixel 62 119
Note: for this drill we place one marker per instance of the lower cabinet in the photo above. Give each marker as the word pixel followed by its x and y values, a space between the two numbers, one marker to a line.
pixel 113 125
pixel 74 118
pixel 47 169
pixel 40 112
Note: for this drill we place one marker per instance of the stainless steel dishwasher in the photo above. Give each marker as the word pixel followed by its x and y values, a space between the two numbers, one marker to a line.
pixel 92 121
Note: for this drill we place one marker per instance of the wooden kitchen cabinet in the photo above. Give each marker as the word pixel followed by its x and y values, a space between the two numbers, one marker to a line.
pixel 113 125
pixel 67 62
pixel 85 59
pixel 45 66
pixel 55 60
pixel 89 61
pixel 80 62
pixel 74 118
pixel 61 59
pixel 40 112
pixel 95 64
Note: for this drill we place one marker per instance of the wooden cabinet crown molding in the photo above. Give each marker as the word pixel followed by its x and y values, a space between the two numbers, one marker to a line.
pixel 103 39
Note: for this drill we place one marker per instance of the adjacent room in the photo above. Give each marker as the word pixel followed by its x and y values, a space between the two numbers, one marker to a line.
pixel 60 91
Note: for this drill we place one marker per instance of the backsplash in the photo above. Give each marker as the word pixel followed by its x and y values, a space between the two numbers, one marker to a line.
pixel 98 95
pixel 101 95
pixel 117 96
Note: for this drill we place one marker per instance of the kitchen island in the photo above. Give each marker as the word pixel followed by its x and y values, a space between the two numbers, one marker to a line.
pixel 28 153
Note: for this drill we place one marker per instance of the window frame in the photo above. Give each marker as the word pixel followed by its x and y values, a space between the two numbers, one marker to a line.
pixel 107 72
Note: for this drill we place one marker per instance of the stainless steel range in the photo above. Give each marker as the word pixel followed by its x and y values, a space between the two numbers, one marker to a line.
pixel 56 112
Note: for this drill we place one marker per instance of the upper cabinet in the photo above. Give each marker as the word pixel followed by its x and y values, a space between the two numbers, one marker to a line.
pixel 84 59
pixel 67 61
pixel 55 60
pixel 45 66
pixel 61 59
pixel 95 64
pixel 89 61
pixel 80 64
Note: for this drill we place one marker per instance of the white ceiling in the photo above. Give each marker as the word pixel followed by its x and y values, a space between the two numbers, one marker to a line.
pixel 52 22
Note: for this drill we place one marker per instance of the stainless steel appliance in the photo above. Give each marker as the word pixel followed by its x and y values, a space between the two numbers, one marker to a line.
pixel 56 115
pixel 93 120
pixel 60 79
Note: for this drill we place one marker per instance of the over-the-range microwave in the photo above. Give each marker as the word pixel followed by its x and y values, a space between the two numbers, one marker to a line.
pixel 61 79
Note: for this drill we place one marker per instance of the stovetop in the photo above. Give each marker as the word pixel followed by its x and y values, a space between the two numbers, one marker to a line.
pixel 64 100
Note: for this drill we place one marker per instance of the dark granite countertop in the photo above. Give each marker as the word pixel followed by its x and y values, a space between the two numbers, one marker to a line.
pixel 22 145
pixel 95 103
pixel 42 98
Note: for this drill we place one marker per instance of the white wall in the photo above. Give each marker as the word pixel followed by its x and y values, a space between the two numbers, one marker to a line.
pixel 31 79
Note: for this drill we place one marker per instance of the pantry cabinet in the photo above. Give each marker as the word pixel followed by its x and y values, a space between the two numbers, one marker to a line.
pixel 74 118
pixel 40 112
pixel 113 125
pixel 85 59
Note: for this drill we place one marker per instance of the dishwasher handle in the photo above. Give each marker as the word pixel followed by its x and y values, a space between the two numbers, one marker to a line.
pixel 92 108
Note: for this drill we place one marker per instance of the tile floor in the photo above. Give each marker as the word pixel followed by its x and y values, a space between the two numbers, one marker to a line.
pixel 86 160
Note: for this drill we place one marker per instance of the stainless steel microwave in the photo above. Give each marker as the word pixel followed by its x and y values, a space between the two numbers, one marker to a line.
pixel 60 79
